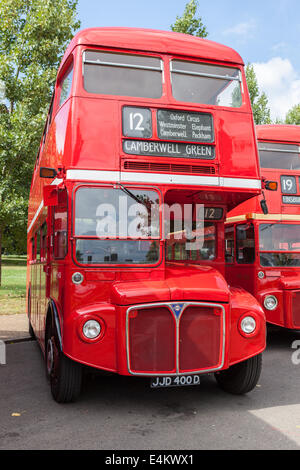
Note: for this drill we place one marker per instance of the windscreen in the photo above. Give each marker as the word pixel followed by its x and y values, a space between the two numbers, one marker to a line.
pixel 281 156
pixel 116 226
pixel 279 244
pixel 201 83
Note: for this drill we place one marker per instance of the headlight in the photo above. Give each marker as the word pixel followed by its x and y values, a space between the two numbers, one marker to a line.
pixel 248 325
pixel 270 302
pixel 91 329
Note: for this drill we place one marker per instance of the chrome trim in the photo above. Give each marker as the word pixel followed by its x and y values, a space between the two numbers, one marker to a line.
pixel 268 149
pixel 207 75
pixel 177 321
pixel 127 66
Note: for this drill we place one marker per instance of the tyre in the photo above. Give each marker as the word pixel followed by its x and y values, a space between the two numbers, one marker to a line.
pixel 30 329
pixel 65 375
pixel 240 378
pixel 31 332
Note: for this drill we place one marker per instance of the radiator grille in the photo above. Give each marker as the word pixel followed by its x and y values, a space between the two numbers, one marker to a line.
pixel 152 340
pixel 159 342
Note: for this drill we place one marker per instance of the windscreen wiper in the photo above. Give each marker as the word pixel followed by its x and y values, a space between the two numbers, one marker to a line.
pixel 133 196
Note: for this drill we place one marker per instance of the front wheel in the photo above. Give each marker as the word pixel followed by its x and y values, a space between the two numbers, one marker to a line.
pixel 65 375
pixel 242 377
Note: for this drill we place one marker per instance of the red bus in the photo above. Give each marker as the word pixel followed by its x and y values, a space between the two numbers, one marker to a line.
pixel 263 250
pixel 149 138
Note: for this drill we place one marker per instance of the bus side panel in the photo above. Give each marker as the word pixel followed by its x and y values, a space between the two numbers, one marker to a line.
pixel 96 141
pixel 236 145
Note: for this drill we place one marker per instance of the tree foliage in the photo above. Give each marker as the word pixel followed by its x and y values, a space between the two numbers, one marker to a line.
pixel 293 115
pixel 259 101
pixel 33 37
pixel 188 23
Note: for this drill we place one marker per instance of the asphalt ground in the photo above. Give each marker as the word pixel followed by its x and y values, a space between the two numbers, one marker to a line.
pixel 124 413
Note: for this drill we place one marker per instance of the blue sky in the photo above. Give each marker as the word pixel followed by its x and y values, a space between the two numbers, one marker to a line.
pixel 266 33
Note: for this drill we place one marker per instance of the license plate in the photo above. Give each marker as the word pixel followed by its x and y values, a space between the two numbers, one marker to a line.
pixel 177 381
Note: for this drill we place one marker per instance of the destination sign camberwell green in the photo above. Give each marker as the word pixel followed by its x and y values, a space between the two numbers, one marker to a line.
pixel 168 149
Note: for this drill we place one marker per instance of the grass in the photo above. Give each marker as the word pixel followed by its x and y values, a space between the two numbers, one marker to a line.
pixel 13 288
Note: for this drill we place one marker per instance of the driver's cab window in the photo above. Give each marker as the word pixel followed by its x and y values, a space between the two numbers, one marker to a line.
pixel 245 244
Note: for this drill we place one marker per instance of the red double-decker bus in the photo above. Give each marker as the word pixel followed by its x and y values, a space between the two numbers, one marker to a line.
pixel 263 249
pixel 148 143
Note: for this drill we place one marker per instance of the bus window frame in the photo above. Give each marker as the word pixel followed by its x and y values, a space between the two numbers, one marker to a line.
pixel 74 237
pixel 252 263
pixel 245 98
pixel 33 249
pixel 233 227
pixel 44 242
pixel 216 223
pixel 206 75
pixel 167 96
pixel 69 67
pixel 67 230
pixel 278 142
pixel 276 251
pixel 164 96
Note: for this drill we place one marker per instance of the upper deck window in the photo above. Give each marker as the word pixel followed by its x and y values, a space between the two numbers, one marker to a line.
pixel 195 82
pixel 66 86
pixel 109 73
pixel 281 156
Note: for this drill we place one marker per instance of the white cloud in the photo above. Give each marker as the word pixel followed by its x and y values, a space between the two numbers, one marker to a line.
pixel 280 46
pixel 281 83
pixel 241 29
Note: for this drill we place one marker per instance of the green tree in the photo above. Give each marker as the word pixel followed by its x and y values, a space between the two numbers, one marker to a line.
pixel 259 101
pixel 188 23
pixel 293 115
pixel 33 37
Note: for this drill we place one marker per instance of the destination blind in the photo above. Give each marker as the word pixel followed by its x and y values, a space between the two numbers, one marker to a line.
pixel 193 127
pixel 171 126
pixel 168 149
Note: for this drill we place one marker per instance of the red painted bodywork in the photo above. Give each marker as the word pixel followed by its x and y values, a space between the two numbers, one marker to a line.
pixel 86 134
pixel 283 282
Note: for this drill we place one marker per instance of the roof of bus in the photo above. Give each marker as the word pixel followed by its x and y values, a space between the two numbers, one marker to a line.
pixel 151 40
pixel 278 132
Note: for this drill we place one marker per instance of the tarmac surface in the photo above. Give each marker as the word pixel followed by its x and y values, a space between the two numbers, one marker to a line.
pixel 116 413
